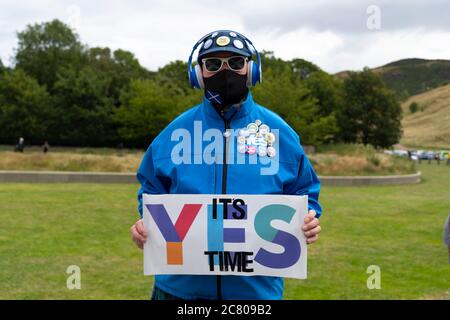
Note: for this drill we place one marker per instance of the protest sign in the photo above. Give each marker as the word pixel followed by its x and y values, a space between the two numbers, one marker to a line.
pixel 225 234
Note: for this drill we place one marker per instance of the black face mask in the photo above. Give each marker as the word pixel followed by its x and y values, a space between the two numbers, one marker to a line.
pixel 230 86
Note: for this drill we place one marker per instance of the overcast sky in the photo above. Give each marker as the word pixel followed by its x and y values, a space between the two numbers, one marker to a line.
pixel 335 35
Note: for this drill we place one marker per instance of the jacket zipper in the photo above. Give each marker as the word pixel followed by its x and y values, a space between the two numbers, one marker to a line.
pixel 224 191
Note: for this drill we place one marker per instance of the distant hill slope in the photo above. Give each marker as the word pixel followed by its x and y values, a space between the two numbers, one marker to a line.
pixel 412 76
pixel 430 127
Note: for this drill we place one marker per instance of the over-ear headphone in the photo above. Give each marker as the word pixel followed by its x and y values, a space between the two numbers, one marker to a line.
pixel 254 72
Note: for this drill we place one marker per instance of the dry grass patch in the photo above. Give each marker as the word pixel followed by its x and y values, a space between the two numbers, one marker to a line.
pixel 430 127
pixel 333 160
pixel 352 160
pixel 63 161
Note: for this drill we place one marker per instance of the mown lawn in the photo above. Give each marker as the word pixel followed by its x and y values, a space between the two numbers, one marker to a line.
pixel 44 228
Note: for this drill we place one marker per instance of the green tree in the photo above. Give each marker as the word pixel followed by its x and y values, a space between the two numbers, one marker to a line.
pixel 147 107
pixel 284 92
pixel 327 90
pixel 174 76
pixel 119 66
pixel 82 109
pixel 329 94
pixel 371 113
pixel 413 107
pixel 303 69
pixel 45 48
pixel 24 108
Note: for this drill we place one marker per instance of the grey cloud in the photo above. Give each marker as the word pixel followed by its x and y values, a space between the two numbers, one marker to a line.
pixel 158 31
pixel 349 17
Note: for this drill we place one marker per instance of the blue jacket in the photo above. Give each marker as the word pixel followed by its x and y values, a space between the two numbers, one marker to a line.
pixel 158 174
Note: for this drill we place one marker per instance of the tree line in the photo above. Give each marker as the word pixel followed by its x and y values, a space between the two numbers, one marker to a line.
pixel 67 93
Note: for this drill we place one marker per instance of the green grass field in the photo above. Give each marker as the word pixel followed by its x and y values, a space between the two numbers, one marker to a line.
pixel 44 228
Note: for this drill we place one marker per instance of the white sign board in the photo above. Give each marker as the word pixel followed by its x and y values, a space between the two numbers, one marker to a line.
pixel 225 234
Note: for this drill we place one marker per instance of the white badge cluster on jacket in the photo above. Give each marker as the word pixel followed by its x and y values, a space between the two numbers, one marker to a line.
pixel 256 138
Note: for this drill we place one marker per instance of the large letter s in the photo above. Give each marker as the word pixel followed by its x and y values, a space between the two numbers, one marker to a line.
pixel 290 243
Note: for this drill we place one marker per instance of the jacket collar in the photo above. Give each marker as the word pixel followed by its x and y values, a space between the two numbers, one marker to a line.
pixel 234 112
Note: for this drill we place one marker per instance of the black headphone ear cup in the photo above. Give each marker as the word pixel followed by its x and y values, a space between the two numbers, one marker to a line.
pixel 199 76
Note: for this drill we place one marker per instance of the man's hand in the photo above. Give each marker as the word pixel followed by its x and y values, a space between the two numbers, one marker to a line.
pixel 138 234
pixel 311 228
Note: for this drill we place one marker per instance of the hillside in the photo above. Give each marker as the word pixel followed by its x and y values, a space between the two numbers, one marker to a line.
pixel 430 126
pixel 412 76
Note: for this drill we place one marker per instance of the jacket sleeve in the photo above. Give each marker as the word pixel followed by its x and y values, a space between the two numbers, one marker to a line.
pixel 306 183
pixel 150 182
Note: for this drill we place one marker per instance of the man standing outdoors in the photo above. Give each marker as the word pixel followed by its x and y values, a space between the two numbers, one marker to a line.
pixel 225 71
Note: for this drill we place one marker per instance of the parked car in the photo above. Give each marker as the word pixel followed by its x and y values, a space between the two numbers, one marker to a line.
pixel 422 155
pixel 430 155
pixel 414 156
pixel 401 153
pixel 443 155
